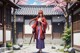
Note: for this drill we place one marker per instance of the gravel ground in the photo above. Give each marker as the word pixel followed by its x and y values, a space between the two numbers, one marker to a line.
pixel 49 48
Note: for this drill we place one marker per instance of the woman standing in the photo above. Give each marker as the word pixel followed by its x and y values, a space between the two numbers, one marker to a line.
pixel 39 29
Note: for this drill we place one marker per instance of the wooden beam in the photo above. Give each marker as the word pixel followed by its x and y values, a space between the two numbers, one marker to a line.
pixel 52 28
pixel 1 3
pixel 74 7
pixel 72 30
pixel 4 24
pixel 12 4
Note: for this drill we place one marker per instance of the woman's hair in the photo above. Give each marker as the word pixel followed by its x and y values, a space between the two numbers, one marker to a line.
pixel 40 12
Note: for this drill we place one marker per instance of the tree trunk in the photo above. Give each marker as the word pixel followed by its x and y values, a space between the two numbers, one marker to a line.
pixel 14 18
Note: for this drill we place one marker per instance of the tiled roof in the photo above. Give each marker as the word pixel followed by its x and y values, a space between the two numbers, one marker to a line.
pixel 33 10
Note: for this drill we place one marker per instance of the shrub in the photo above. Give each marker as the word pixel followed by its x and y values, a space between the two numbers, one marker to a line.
pixel 67 36
pixel 9 44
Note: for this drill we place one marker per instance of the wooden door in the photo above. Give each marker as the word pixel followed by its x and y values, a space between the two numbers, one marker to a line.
pixel 57 31
pixel 19 30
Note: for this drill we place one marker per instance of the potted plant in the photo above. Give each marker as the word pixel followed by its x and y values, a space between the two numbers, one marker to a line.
pixel 9 45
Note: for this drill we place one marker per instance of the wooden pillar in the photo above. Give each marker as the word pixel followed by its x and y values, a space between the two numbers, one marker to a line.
pixel 23 28
pixel 14 18
pixel 72 29
pixel 52 27
pixel 4 25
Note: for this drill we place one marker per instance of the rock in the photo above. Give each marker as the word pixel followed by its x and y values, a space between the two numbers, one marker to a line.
pixel 16 47
pixel 2 49
pixel 61 44
pixel 71 50
pixel 21 45
pixel 53 47
pixel 20 42
pixel 65 50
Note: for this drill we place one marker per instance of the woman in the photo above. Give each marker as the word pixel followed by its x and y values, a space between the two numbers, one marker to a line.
pixel 39 29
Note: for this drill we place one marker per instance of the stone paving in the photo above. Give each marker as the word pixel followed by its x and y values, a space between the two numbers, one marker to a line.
pixel 32 49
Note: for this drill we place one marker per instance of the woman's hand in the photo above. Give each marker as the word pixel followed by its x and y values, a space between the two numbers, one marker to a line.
pixel 39 19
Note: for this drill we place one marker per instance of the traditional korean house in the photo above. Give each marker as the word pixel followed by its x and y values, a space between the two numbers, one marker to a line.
pixel 75 15
pixel 5 20
pixel 55 19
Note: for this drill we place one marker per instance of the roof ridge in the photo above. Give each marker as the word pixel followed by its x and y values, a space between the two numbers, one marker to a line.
pixel 33 10
pixel 36 5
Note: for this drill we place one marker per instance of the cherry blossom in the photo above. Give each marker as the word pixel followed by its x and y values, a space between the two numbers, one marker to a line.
pixel 59 5
pixel 22 2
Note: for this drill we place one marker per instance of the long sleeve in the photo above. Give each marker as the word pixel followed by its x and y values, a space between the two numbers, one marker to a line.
pixel 44 23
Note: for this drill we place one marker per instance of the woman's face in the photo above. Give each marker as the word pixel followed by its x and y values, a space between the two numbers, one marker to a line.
pixel 40 15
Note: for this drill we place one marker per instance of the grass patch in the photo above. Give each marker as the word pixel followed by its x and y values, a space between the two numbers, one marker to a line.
pixel 61 50
pixel 65 52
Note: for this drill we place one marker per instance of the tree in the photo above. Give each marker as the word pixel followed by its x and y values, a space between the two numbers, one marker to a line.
pixel 19 2
pixel 60 5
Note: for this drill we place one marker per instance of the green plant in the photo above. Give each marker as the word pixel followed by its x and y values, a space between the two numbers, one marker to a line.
pixel 67 36
pixel 68 46
pixel 9 44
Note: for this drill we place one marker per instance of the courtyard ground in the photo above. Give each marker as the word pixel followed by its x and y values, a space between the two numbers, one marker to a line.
pixel 49 48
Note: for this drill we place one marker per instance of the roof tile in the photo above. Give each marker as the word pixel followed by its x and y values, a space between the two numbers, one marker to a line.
pixel 33 10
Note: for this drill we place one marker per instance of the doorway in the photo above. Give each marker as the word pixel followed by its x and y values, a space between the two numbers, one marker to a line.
pixel 19 29
pixel 57 30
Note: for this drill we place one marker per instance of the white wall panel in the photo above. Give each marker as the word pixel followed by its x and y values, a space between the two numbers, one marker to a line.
pixel 1 35
pixel 76 39
pixel 8 35
pixel 50 27
pixel 27 27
